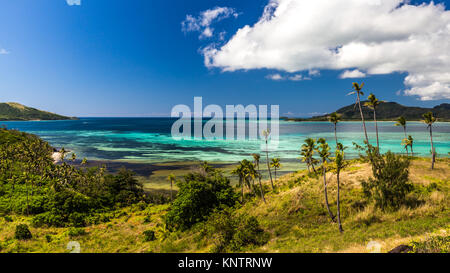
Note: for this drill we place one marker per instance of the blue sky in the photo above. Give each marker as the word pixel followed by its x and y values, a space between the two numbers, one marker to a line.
pixel 131 58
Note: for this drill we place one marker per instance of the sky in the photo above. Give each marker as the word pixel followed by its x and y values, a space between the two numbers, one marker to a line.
pixel 141 58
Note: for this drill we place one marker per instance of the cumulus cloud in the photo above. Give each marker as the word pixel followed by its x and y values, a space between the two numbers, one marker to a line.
pixel 3 51
pixel 203 22
pixel 73 2
pixel 275 77
pixel 350 74
pixel 374 36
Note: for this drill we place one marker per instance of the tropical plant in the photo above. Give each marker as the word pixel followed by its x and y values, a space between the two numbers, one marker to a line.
pixel 324 153
pixel 411 142
pixel 275 165
pixel 340 164
pixel 401 121
pixel 373 103
pixel 429 119
pixel 335 118
pixel 266 134
pixel 171 178
pixel 358 91
pixel 257 158
pixel 307 153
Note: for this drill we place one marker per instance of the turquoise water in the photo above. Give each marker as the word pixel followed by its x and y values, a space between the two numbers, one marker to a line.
pixel 149 139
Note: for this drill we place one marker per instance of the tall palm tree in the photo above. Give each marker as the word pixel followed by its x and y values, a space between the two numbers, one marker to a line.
pixel 250 174
pixel 171 178
pixel 340 164
pixel 324 153
pixel 429 119
pixel 373 103
pixel 257 158
pixel 358 91
pixel 307 151
pixel 335 118
pixel 411 142
pixel 266 134
pixel 276 165
pixel 401 121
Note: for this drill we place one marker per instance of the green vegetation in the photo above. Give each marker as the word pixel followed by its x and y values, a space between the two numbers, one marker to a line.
pixel 16 111
pixel 22 232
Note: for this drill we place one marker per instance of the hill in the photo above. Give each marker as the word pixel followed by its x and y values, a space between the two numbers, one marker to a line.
pixel 15 111
pixel 386 111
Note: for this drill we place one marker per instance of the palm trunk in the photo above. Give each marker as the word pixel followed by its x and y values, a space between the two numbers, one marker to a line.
pixel 338 203
pixel 412 152
pixel 433 154
pixel 335 134
pixel 362 118
pixel 376 128
pixel 406 147
pixel 275 175
pixel 171 191
pixel 260 186
pixel 326 195
pixel 268 165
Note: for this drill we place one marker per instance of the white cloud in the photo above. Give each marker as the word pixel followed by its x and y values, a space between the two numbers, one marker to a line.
pixel 3 51
pixel 375 36
pixel 275 77
pixel 203 22
pixel 349 74
pixel 73 2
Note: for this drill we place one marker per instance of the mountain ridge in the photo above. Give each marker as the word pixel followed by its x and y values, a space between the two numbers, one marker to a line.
pixel 386 111
pixel 13 111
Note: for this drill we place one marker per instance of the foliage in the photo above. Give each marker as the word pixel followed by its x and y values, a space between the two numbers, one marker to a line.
pixel 389 186
pixel 435 244
pixel 149 235
pixel 198 196
pixel 22 232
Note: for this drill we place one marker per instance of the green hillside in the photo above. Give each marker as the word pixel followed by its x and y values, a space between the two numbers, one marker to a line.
pixel 387 111
pixel 17 111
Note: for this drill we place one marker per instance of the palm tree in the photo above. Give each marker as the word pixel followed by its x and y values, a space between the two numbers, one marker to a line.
pixel 266 134
pixel 250 174
pixel 373 103
pixel 401 121
pixel 239 171
pixel 257 158
pixel 324 153
pixel 406 143
pixel 358 91
pixel 411 142
pixel 307 151
pixel 74 157
pixel 335 118
pixel 428 119
pixel 276 165
pixel 171 178
pixel 340 164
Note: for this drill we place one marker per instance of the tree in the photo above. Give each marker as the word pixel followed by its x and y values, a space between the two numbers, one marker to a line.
pixel 358 91
pixel 276 165
pixel 335 118
pixel 373 103
pixel 324 153
pixel 401 121
pixel 171 178
pixel 307 153
pixel 429 119
pixel 339 164
pixel 266 134
pixel 257 158
pixel 411 142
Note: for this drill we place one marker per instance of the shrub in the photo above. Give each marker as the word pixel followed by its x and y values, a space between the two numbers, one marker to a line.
pixel 249 233
pixel 22 232
pixel 76 232
pixel 149 235
pixel 197 197
pixel 436 244
pixel 389 186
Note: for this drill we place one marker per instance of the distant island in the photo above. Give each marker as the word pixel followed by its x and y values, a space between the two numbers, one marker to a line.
pixel 13 111
pixel 386 111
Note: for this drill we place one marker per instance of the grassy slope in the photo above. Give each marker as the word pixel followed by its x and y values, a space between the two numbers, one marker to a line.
pixel 17 111
pixel 295 217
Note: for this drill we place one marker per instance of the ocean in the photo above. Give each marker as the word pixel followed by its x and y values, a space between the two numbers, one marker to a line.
pixel 148 140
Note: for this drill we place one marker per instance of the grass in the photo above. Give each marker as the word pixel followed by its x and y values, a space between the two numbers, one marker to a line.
pixel 294 215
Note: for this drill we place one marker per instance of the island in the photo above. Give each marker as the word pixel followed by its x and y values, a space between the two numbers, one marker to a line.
pixel 13 111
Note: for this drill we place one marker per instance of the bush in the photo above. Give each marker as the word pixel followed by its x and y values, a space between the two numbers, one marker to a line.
pixel 389 186
pixel 197 197
pixel 436 244
pixel 75 232
pixel 149 235
pixel 22 232
pixel 233 233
